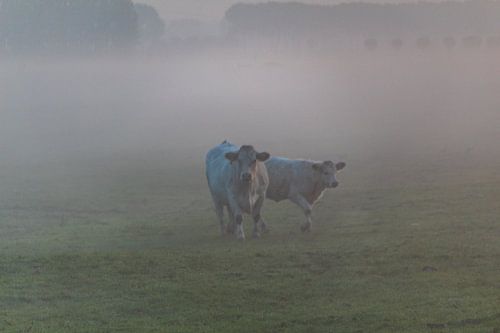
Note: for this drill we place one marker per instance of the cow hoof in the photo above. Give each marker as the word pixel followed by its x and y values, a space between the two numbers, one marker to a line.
pixel 240 235
pixel 263 228
pixel 305 228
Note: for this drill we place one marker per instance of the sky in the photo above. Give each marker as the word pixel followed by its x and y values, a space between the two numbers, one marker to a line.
pixel 213 10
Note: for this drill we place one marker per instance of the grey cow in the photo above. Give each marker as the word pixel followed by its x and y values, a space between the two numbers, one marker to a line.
pixel 301 181
pixel 238 180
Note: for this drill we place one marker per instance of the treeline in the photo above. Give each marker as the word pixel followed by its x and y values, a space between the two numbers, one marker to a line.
pixel 478 17
pixel 76 25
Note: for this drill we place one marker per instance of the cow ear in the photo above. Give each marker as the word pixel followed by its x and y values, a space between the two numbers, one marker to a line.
pixel 263 156
pixel 317 166
pixel 340 165
pixel 329 163
pixel 232 156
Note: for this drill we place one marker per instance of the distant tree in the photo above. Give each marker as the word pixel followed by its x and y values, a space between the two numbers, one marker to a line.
pixel 371 44
pixel 311 43
pixel 355 19
pixel 123 28
pixel 472 42
pixel 32 25
pixel 150 24
pixel 397 43
pixel 493 41
pixel 449 42
pixel 424 43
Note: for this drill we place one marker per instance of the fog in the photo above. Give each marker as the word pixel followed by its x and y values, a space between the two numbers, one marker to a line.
pixel 361 105
pixel 364 83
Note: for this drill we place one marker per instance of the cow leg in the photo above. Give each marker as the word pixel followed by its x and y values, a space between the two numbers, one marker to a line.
pixel 238 218
pixel 257 218
pixel 263 226
pixel 306 208
pixel 240 233
pixel 230 225
pixel 219 210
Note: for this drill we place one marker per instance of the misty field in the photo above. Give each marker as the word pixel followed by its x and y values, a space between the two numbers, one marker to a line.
pixel 137 249
pixel 106 222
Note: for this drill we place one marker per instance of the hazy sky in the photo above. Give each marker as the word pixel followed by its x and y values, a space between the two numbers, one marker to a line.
pixel 211 10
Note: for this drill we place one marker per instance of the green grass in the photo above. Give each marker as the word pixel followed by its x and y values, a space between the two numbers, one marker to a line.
pixel 137 249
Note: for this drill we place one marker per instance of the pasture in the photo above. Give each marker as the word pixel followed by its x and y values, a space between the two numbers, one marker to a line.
pixel 133 246
pixel 106 222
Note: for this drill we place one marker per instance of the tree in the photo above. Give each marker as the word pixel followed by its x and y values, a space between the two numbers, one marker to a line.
pixel 449 42
pixel 151 26
pixel 424 43
pixel 371 44
pixel 397 43
pixel 358 19
pixel 64 25
pixel 493 41
pixel 472 42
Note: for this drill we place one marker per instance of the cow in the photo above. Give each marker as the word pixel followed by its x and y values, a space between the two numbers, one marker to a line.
pixel 237 179
pixel 301 181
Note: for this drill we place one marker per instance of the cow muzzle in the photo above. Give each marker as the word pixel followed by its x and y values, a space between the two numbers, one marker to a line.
pixel 246 177
pixel 333 184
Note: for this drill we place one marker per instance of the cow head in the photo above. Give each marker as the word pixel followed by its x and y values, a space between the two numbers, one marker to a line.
pixel 245 161
pixel 327 171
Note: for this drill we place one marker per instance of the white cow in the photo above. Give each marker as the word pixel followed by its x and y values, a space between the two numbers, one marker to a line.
pixel 238 180
pixel 301 181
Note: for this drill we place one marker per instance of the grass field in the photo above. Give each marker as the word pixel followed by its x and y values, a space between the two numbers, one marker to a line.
pixel 106 223
pixel 402 247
